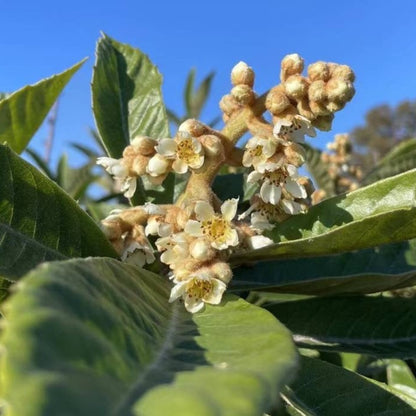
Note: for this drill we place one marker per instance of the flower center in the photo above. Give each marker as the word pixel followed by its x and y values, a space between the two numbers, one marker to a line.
pixel 185 151
pixel 275 177
pixel 257 151
pixel 270 211
pixel 199 288
pixel 216 229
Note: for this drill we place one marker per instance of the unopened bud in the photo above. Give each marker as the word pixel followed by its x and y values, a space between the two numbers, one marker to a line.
pixel 295 154
pixel 144 145
pixel 319 108
pixel 291 65
pixel 222 271
pixel 201 249
pixel 277 100
pixel 317 91
pixel 304 109
pixel 243 94
pixel 318 71
pixel 296 86
pixel 242 74
pixel 193 127
pixel 139 165
pixel 338 90
pixel 213 146
pixel 323 123
pixel 334 106
pixel 343 72
pixel 229 104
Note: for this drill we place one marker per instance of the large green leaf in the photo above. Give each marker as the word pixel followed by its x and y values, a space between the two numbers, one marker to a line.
pixel 126 96
pixel 22 112
pixel 377 326
pixel 400 159
pixel 372 270
pixel 401 377
pixel 381 213
pixel 39 221
pixel 98 337
pixel 323 389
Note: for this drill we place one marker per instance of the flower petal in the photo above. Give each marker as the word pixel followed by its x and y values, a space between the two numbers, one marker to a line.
pixel 204 211
pixel 229 208
pixel 194 228
pixel 178 290
pixel 270 193
pixel 166 147
pixel 179 166
pixel 193 304
pixel 295 189
pixel 259 241
pixel 129 187
pixel 215 296
pixel 157 165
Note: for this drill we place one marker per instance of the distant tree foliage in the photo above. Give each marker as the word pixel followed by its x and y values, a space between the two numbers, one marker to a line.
pixel 384 127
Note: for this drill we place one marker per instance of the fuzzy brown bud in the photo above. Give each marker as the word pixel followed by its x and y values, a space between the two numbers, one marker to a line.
pixel 319 108
pixel 277 100
pixel 304 109
pixel 222 271
pixel 242 74
pixel 334 106
pixel 193 127
pixel 339 90
pixel 296 86
pixel 291 65
pixel 318 71
pixel 213 146
pixel 143 145
pixel 229 104
pixel 343 72
pixel 295 154
pixel 323 123
pixel 243 94
pixel 317 91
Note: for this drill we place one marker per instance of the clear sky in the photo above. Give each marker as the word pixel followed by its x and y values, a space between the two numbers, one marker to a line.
pixel 376 38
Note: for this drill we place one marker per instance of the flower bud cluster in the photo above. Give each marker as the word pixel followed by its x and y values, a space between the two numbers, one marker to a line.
pixel 275 160
pixel 346 176
pixel 317 96
pixel 197 254
pixel 242 94
pixel 126 232
pixel 195 236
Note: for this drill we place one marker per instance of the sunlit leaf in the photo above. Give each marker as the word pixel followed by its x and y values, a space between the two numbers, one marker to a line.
pixel 39 221
pixel 22 112
pixel 101 339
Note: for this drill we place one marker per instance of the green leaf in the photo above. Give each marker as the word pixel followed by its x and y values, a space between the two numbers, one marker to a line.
pixel 378 326
pixel 100 338
pixel 229 186
pixel 75 181
pixel 126 96
pixel 22 112
pixel 401 377
pixel 319 170
pixel 365 271
pixel 378 214
pixel 323 389
pixel 398 160
pixel 39 221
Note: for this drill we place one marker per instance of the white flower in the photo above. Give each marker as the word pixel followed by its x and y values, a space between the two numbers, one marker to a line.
pixel 214 227
pixel 294 129
pixel 258 150
pixel 186 151
pixel 273 182
pixel 116 168
pixel 175 248
pixel 138 254
pixel 157 165
pixel 200 288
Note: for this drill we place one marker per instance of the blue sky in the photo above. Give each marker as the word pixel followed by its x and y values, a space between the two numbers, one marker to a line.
pixel 377 39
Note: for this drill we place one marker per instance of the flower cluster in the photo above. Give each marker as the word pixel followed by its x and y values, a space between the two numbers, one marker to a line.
pixel 193 238
pixel 339 162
